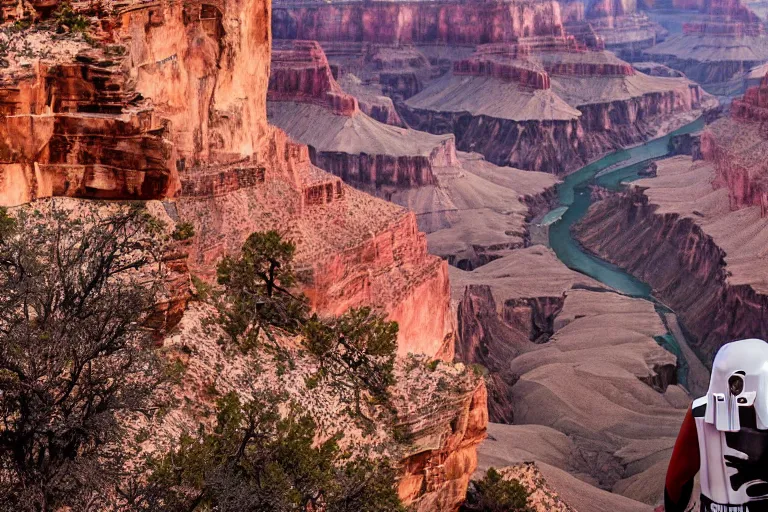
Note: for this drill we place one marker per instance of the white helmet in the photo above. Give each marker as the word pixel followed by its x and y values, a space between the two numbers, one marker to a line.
pixel 739 379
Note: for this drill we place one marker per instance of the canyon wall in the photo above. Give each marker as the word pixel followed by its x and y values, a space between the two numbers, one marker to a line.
pixel 716 43
pixel 303 100
pixel 682 263
pixel 177 114
pixel 437 479
pixel 696 232
pixel 559 120
pixel 171 105
pixel 300 72
pixel 403 22
pixel 735 145
pixel 51 146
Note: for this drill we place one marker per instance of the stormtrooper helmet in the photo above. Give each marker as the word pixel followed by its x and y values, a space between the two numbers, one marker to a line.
pixel 739 379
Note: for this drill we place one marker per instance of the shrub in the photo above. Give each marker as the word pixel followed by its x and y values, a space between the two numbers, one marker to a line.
pixel 495 494
pixel 256 460
pixel 73 354
pixel 66 19
pixel 183 231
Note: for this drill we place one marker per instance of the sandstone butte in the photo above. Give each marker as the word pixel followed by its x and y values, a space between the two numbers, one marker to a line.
pixel 705 219
pixel 714 43
pixel 526 84
pixel 170 109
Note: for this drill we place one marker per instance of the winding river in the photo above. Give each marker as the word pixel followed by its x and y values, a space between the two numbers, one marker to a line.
pixel 575 198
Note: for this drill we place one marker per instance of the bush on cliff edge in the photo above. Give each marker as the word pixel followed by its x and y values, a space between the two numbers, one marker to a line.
pixel 256 459
pixel 494 493
pixel 355 352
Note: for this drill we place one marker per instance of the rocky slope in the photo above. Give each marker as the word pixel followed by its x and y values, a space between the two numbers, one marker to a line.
pixel 541 494
pixel 600 404
pixel 475 211
pixel 169 104
pixel 547 451
pixel 443 425
pixel 549 108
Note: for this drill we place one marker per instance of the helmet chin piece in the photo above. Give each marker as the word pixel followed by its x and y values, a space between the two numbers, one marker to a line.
pixel 723 412
pixel 739 379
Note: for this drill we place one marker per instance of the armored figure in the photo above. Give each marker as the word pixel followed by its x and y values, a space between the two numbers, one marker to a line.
pixel 724 436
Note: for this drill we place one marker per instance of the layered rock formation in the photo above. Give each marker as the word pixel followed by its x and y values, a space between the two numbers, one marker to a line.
pixel 347 142
pixel 703 259
pixel 414 22
pixel 714 43
pixel 445 427
pixel 628 34
pixel 372 100
pixel 493 100
pixel 714 62
pixel 601 404
pixel 171 105
pixel 548 108
pixel 76 128
pixel 300 72
pixel 202 138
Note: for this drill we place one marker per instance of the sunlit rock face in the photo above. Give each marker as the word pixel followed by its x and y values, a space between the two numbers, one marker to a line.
pixel 77 129
pixel 454 425
pixel 414 22
pixel 124 121
pixel 172 106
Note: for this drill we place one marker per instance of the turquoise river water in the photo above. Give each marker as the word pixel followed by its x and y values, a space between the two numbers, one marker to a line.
pixel 575 198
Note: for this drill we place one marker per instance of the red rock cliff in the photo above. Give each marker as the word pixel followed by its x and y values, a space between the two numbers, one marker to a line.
pixel 300 72
pixel 404 22
pixel 173 107
pixel 735 145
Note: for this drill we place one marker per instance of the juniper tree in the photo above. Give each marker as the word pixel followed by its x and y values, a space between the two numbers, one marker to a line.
pixel 354 352
pixel 494 493
pixel 260 292
pixel 74 292
pixel 256 459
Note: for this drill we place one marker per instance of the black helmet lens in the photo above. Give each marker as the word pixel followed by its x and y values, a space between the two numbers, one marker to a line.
pixel 736 384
